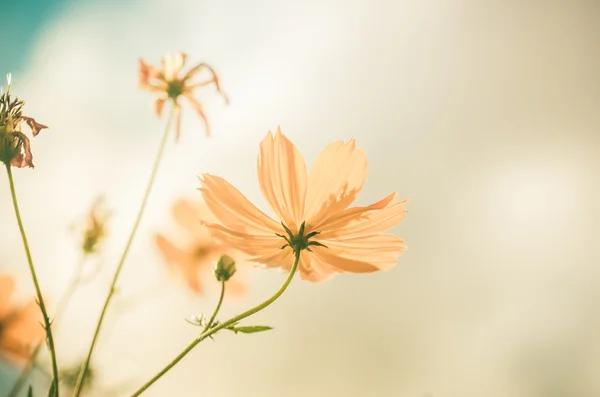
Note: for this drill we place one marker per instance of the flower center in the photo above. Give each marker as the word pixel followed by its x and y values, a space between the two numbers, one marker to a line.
pixel 299 241
pixel 175 89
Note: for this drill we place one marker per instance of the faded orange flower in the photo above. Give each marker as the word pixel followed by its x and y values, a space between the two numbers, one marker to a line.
pixel 20 328
pixel 15 147
pixel 170 82
pixel 194 262
pixel 314 213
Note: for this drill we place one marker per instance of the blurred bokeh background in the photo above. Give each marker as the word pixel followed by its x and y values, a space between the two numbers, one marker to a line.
pixel 485 113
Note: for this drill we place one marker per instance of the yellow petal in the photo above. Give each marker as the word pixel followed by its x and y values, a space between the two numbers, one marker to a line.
pixel 282 178
pixel 335 179
pixel 233 209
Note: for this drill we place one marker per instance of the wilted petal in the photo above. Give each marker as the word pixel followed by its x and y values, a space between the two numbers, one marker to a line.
pixel 34 125
pixel 24 157
pixel 282 178
pixel 172 64
pixel 233 209
pixel 146 73
pixel 159 105
pixel 334 181
pixel 198 108
pixel 177 117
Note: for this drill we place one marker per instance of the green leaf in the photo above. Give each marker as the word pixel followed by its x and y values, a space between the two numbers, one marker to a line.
pixel 30 391
pixel 250 329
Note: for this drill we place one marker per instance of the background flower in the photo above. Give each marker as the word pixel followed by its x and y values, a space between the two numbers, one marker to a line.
pixel 194 262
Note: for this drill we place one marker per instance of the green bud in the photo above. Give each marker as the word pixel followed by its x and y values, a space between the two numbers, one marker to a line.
pixel 224 268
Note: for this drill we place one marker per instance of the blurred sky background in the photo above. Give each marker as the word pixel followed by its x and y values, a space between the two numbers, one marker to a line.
pixel 485 113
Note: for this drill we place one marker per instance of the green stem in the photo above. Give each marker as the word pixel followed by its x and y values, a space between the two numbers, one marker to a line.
pixel 136 224
pixel 47 324
pixel 214 315
pixel 60 309
pixel 219 327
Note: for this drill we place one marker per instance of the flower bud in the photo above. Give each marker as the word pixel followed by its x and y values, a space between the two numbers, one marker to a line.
pixel 224 268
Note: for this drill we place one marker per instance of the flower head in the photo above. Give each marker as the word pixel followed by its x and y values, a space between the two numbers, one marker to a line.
pixel 312 208
pixel 173 84
pixel 94 230
pixel 15 147
pixel 201 250
pixel 20 329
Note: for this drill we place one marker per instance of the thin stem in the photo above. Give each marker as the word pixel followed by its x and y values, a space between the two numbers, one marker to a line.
pixel 111 291
pixel 60 309
pixel 47 323
pixel 219 327
pixel 214 315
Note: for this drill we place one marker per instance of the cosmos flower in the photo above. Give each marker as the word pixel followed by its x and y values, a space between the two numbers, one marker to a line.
pixel 194 262
pixel 15 147
pixel 20 329
pixel 170 82
pixel 312 211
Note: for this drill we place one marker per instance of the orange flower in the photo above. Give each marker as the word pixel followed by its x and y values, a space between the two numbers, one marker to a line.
pixel 20 329
pixel 201 251
pixel 168 81
pixel 314 213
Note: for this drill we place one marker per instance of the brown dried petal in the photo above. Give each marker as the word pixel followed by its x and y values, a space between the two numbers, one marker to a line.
pixel 34 125
pixel 23 158
pixel 158 105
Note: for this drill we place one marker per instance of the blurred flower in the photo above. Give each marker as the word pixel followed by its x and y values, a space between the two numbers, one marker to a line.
pixel 94 230
pixel 15 147
pixel 20 328
pixel 200 252
pixel 313 211
pixel 169 82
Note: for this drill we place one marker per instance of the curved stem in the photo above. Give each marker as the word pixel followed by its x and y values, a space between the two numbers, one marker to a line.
pixel 136 224
pixel 214 315
pixel 47 323
pixel 60 309
pixel 231 321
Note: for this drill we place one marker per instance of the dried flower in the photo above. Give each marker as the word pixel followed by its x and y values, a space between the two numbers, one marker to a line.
pixel 314 213
pixel 95 227
pixel 15 147
pixel 169 82
pixel 200 251
pixel 20 329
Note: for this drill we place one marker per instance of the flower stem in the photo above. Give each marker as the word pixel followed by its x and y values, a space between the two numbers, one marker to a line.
pixel 208 332
pixel 111 291
pixel 47 323
pixel 60 309
pixel 214 315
